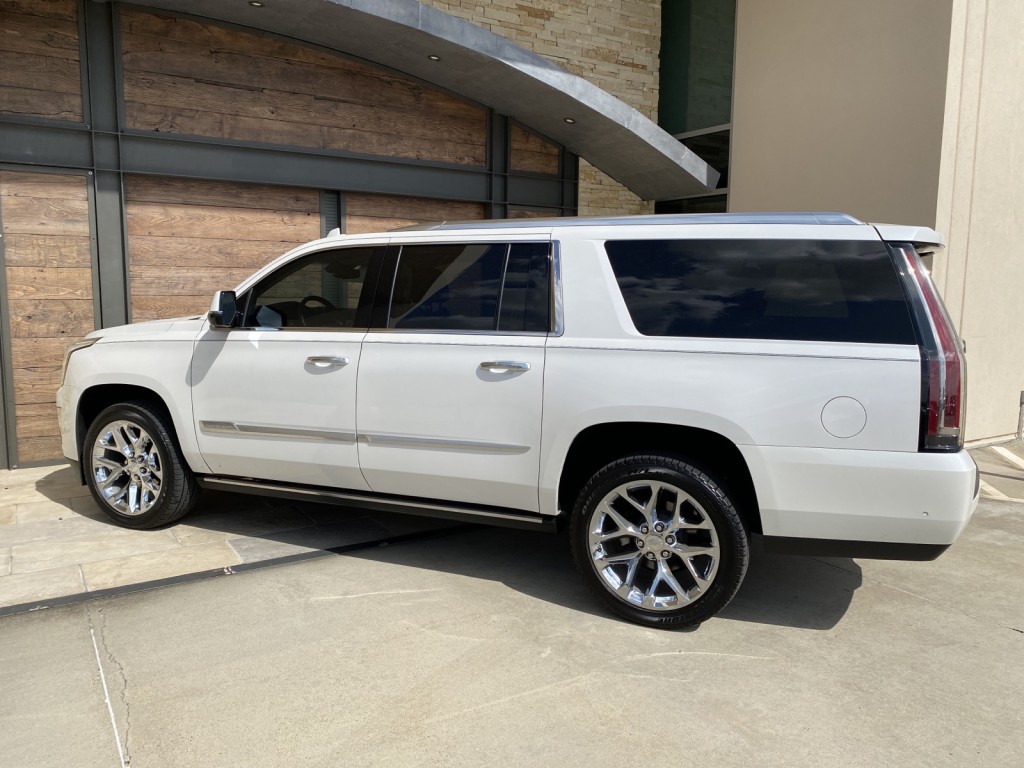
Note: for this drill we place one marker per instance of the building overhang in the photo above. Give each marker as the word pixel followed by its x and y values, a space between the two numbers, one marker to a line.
pixel 433 46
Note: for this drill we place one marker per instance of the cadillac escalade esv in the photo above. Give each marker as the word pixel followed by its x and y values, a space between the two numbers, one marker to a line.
pixel 663 387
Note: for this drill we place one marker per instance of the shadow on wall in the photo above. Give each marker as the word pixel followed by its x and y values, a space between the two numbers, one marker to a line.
pixel 779 590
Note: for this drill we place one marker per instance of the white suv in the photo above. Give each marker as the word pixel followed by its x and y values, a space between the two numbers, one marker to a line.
pixel 664 386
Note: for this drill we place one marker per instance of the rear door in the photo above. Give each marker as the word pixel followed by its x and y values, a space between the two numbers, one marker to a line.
pixel 451 376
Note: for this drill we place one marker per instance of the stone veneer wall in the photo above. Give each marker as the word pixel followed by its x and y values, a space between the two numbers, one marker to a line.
pixel 612 43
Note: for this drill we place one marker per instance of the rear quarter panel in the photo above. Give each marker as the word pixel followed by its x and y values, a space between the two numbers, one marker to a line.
pixel 753 392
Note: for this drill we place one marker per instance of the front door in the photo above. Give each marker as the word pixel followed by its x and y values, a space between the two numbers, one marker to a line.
pixel 276 398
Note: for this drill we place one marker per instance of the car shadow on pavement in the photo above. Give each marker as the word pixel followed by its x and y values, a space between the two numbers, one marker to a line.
pixel 779 590
pixel 782 590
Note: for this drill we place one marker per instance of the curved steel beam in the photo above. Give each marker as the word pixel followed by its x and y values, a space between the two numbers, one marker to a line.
pixel 433 46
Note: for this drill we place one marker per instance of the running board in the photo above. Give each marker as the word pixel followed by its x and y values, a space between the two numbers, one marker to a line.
pixel 465 513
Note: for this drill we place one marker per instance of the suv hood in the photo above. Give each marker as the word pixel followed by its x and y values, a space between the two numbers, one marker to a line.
pixel 150 328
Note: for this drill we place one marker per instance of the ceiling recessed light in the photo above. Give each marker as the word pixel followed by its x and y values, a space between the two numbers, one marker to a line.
pixel 432 57
pixel 569 120
pixel 255 3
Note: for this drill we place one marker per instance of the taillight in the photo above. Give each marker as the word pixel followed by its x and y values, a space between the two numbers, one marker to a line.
pixel 943 374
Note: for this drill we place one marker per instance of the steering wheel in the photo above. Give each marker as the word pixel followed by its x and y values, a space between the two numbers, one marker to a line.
pixel 326 304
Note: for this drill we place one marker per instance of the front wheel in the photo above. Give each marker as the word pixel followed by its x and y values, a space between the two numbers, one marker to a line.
pixel 659 541
pixel 134 466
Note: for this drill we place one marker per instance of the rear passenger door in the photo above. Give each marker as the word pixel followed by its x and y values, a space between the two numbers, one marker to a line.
pixel 451 375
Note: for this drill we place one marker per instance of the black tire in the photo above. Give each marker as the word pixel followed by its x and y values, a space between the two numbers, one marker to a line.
pixel 162 467
pixel 615 564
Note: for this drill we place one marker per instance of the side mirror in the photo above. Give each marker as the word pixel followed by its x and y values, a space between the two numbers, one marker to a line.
pixel 224 310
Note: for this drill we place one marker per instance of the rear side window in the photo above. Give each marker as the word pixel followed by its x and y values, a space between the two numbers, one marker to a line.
pixel 497 287
pixel 807 290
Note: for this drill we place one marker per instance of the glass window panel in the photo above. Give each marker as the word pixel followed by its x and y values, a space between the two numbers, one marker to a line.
pixel 763 289
pixel 452 287
pixel 322 290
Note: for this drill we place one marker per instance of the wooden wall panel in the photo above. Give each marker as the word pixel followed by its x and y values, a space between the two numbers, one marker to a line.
pixel 40 74
pixel 191 77
pixel 187 238
pixel 379 213
pixel 531 153
pixel 47 255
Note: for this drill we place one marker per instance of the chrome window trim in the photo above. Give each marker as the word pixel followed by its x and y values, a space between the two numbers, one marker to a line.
pixel 557 307
pixel 292 329
pixel 431 332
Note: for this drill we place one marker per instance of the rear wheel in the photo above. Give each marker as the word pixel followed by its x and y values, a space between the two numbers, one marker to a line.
pixel 134 467
pixel 659 541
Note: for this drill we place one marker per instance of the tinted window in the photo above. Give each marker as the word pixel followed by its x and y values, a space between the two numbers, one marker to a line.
pixel 322 290
pixel 526 294
pixel 472 287
pixel 762 289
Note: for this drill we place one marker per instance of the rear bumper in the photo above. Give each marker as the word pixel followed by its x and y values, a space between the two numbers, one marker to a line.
pixel 842 502
pixel 870 550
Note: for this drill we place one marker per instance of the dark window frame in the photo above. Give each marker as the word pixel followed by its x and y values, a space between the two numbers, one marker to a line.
pixel 363 310
pixel 762 289
pixel 381 313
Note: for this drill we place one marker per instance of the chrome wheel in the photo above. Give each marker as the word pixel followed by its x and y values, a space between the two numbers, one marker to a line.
pixel 127 468
pixel 653 545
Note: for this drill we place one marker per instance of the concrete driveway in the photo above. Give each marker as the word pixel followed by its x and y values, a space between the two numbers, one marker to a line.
pixel 480 647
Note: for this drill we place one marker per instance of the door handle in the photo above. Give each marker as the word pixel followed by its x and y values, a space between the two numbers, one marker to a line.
pixel 328 361
pixel 504 366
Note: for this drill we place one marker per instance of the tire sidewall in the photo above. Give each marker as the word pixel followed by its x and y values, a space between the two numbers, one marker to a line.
pixel 732 537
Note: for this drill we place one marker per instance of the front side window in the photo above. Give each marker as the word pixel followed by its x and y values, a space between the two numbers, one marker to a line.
pixel 808 290
pixel 322 290
pixel 497 287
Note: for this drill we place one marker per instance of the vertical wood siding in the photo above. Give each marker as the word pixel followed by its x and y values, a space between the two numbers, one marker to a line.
pixel 40 75
pixel 191 77
pixel 49 289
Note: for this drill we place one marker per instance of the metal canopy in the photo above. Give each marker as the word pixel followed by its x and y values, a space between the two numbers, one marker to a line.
pixel 472 62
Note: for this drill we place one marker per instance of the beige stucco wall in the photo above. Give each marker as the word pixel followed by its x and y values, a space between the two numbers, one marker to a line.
pixel 838 106
pixel 981 207
pixel 612 43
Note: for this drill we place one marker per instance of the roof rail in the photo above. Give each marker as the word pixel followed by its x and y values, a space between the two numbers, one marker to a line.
pixel 823 218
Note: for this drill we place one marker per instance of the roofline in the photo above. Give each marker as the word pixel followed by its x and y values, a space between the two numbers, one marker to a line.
pixel 817 218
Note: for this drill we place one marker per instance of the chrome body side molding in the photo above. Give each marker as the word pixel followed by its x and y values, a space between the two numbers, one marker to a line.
pixel 443 444
pixel 231 429
pixel 509 518
pixel 265 430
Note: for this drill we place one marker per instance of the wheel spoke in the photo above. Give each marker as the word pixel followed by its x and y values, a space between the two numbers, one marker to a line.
pixel 704 524
pixel 624 525
pixel 623 493
pixel 686 551
pixel 111 477
pixel 667 577
pixel 697 577
pixel 133 495
pixel 631 570
pixel 110 464
pixel 624 558
pixel 651 507
pixel 119 441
